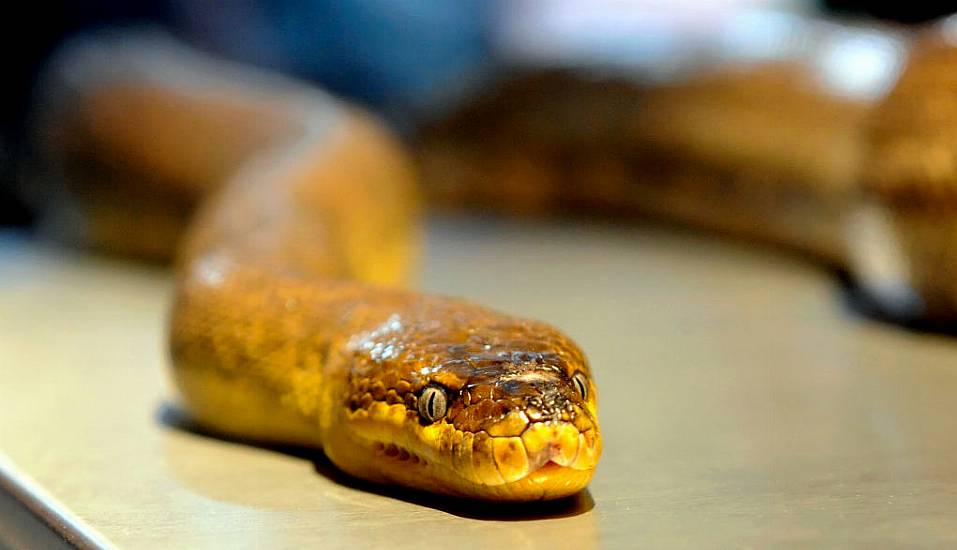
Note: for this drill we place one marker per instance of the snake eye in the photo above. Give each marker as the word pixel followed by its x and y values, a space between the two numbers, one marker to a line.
pixel 581 384
pixel 432 404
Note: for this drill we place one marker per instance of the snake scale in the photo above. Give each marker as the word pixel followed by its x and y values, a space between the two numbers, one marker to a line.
pixel 289 324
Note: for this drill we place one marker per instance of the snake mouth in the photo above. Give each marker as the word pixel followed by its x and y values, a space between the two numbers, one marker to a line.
pixel 541 460
pixel 547 460
pixel 551 471
pixel 543 466
pixel 543 448
pixel 552 460
pixel 549 467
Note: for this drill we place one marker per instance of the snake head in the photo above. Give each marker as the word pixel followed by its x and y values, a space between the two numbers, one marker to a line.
pixel 495 408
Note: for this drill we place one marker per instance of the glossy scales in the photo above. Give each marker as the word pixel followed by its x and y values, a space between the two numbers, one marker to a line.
pixel 288 324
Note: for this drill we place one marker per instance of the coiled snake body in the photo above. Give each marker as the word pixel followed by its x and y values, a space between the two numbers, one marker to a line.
pixel 287 324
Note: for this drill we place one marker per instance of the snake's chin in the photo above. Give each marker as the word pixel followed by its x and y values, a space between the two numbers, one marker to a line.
pixel 544 461
pixel 547 481
pixel 527 461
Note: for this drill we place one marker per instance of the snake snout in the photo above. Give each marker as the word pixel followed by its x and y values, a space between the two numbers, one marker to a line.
pixel 557 440
pixel 561 444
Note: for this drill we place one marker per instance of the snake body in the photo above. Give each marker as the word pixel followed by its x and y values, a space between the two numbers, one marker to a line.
pixel 288 323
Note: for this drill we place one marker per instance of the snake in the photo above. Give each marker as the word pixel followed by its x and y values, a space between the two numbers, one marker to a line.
pixel 291 322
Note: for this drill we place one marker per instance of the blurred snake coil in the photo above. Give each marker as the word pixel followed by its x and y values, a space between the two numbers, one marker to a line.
pixel 290 324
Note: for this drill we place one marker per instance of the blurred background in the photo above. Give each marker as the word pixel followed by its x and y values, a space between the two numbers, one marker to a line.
pixel 765 120
pixel 414 61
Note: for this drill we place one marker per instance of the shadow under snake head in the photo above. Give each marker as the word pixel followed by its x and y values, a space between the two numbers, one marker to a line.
pixel 480 405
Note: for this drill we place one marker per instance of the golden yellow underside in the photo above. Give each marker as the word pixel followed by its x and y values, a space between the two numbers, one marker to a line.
pixel 386 444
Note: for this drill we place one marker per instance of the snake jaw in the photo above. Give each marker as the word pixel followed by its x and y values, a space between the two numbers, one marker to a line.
pixel 547 459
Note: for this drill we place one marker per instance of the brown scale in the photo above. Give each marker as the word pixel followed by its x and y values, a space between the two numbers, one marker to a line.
pixel 484 381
